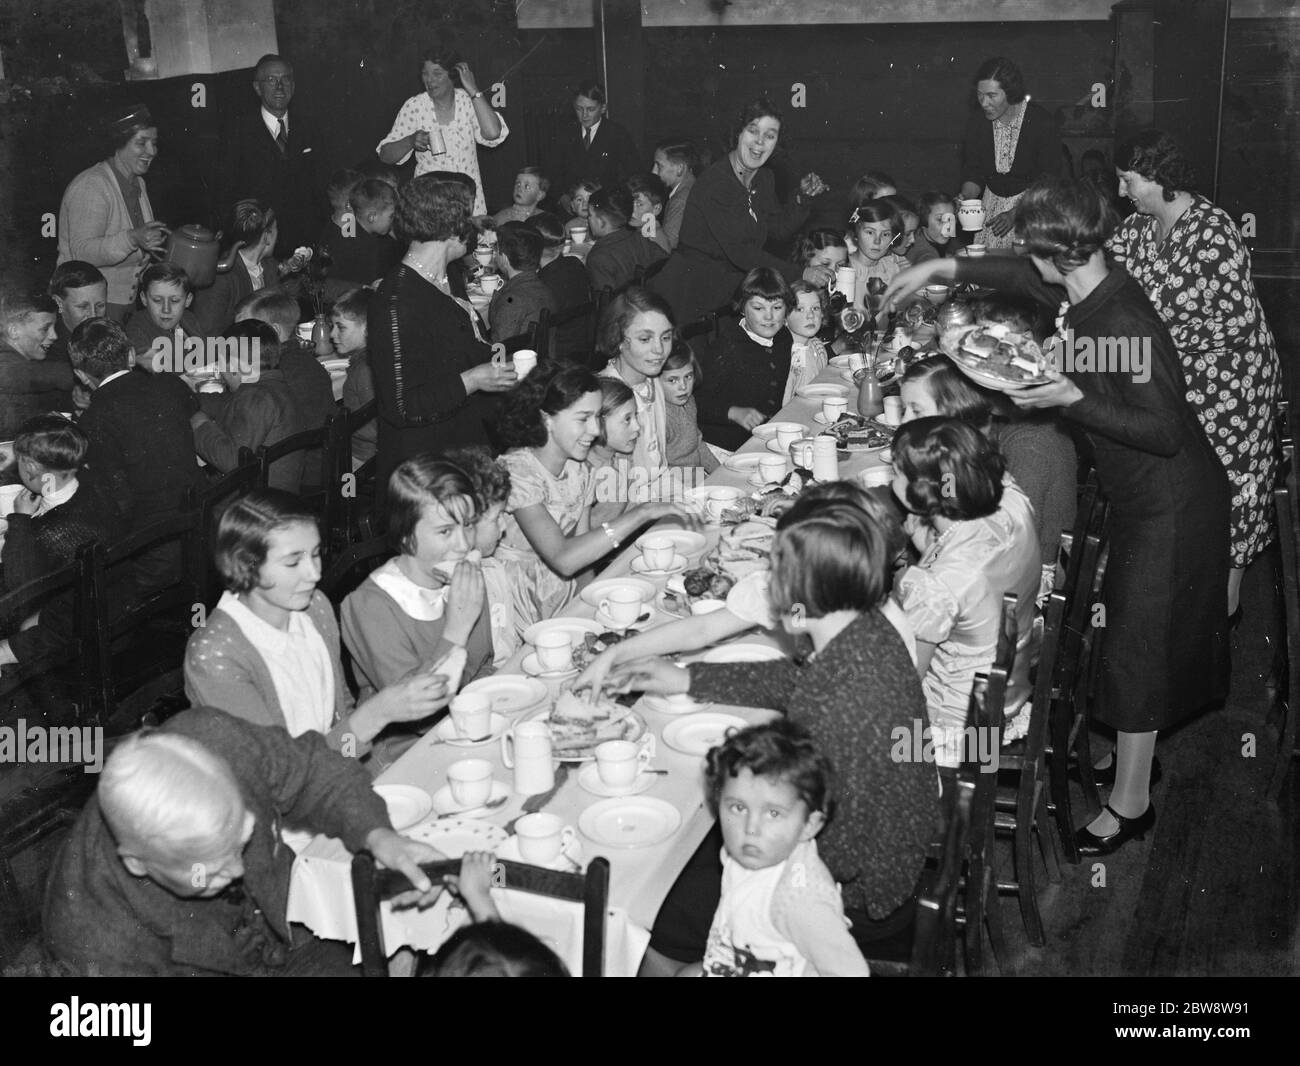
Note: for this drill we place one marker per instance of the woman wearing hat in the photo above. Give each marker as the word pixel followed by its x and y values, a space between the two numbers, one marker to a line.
pixel 106 218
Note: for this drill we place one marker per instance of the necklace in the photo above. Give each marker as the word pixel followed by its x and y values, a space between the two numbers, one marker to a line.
pixel 740 173
pixel 424 272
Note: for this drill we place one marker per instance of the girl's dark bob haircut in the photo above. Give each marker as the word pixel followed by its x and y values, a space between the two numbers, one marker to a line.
pixel 244 533
pixel 549 389
pixel 418 482
pixel 953 471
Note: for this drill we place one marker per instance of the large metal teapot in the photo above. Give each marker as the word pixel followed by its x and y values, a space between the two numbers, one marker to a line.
pixel 197 250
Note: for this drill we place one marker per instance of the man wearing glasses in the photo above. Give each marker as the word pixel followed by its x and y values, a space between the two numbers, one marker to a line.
pixel 271 156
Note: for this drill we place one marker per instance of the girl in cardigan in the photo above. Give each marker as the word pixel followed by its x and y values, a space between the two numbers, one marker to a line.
pixel 807 353
pixel 686 447
pixel 269 652
pixel 610 455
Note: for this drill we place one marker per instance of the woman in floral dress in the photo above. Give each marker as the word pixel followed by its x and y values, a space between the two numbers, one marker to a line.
pixel 1190 259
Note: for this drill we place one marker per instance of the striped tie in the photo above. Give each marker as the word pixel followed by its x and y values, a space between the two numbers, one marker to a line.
pixel 282 138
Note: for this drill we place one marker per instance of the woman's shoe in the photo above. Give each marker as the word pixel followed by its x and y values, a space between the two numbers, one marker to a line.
pixel 1107 776
pixel 1089 844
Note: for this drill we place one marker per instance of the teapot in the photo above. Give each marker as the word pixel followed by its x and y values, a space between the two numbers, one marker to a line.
pixel 196 249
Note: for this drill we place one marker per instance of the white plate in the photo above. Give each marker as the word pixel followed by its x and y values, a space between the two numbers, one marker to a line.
pixel 760 482
pixel 674 704
pixel 774 445
pixel 741 653
pixel 534 669
pixel 822 390
pixel 455 836
pixel 443 803
pixel 685 542
pixel 600 590
pixel 678 566
pixel 822 420
pixel 577 628
pixel 510 693
pixel 446 731
pixel 568 858
pixel 589 778
pixel 695 734
pixel 630 823
pixel 407 805
pixel 768 430
pixel 744 462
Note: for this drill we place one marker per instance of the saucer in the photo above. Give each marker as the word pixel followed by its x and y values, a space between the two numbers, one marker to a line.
pixel 407 805
pixel 446 731
pixel 630 822
pixel 576 628
pixel 444 804
pixel 510 693
pixel 569 857
pixel 822 420
pixel 696 734
pixel 768 430
pixel 589 778
pixel 648 612
pixel 600 590
pixel 742 652
pixel 674 704
pixel 774 445
pixel 677 567
pixel 760 482
pixel 534 669
pixel 685 541
pixel 822 391
pixel 743 462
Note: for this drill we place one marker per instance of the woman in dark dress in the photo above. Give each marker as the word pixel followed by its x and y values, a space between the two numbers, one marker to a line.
pixel 1163 653
pixel 431 364
pixel 1009 146
pixel 731 214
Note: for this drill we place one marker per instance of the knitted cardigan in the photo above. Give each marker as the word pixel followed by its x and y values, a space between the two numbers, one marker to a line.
pixel 95 226
pixel 223 669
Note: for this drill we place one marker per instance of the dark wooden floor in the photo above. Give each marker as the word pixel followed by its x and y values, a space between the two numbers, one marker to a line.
pixel 1213 890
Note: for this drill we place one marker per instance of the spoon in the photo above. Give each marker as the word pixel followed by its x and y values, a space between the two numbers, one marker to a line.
pixel 473 812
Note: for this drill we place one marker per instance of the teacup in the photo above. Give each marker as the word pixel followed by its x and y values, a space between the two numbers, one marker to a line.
pixel 657 552
pixel 833 407
pixel 554 650
pixel 936 294
pixel 489 283
pixel 722 499
pixel 620 762
pixel 524 359
pixel 771 468
pixel 786 437
pixel 578 234
pixel 877 477
pixel 622 606
pixel 801 453
pixel 484 256
pixel 471 714
pixel 893 415
pixel 857 360
pixel 975 251
pixel 471 781
pixel 542 837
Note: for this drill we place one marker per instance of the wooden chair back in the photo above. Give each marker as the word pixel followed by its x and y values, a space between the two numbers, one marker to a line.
pixel 934 943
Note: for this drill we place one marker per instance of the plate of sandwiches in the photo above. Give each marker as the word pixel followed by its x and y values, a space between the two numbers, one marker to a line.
pixel 995 356
pixel 579 724
pixel 853 433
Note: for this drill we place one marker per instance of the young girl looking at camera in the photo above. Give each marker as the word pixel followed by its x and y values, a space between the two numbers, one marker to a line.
pixel 610 455
pixel 807 353
pixel 874 227
pixel 686 447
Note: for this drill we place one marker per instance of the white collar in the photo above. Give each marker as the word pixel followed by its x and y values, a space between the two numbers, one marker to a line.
pixel 272 123
pixel 422 604
pixel 766 342
pixel 110 377
pixel 593 129
pixel 59 496
pixel 260 633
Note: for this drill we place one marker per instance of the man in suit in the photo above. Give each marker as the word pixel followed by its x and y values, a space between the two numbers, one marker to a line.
pixel 141 444
pixel 598 149
pixel 271 156
pixel 676 161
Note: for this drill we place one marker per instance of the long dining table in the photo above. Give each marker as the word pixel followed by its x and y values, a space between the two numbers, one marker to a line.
pixel 640 877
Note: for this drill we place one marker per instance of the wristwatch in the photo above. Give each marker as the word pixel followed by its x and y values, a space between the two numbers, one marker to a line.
pixel 476 95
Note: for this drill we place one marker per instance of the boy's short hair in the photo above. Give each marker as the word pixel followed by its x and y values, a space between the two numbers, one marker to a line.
pixel 274 306
pixel 494 949
pixel 521 244
pixel 354 304
pixel 372 195
pixel 652 186
pixel 681 356
pixel 930 199
pixel 165 274
pixel 766 283
pixel 249 219
pixel 808 244
pixel 268 341
pixel 612 205
pixel 680 152
pixel 17 308
pixel 418 482
pixel 549 226
pixel 74 274
pixel 99 347
pixel 952 469
pixel 490 479
pixel 340 187
pixel 543 182
pixel 779 749
pixel 587 185
pixel 244 533
pixel 54 442
pixel 868 187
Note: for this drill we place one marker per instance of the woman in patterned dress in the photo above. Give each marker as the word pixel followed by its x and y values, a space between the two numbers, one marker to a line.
pixel 1006 151
pixel 1190 259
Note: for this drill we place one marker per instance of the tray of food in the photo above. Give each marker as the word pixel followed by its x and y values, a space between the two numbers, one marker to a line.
pixel 996 356
pixel 579 724
pixel 853 433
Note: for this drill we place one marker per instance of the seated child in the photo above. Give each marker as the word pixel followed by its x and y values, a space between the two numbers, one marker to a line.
pixel 610 455
pixel 518 304
pixel 685 445
pixel 491 483
pixel 907 215
pixel 363 251
pixel 780 914
pixel 339 191
pixel 579 198
pixel 618 251
pixel 348 335
pixel 253 224
pixel 874 225
pixel 566 277
pixel 531 187
pixel 807 353
pixel 428 601
pixel 937 236
pixel 165 297
pixel 649 195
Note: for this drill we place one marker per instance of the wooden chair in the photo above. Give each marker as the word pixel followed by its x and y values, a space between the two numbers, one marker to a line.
pixel 934 944
pixel 150 705
pixel 371 885
pixel 571 333
pixel 67 666
pixel 306 441
pixel 1287 504
pixel 207 503
pixel 599 302
pixel 349 493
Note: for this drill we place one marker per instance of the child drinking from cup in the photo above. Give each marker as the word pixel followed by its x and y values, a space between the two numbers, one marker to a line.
pixel 579 196
pixel 348 335
pixel 685 445
pixel 429 601
pixel 807 352
pixel 549 423
pixel 937 236
pixel 611 453
pixel 874 225
pixel 780 914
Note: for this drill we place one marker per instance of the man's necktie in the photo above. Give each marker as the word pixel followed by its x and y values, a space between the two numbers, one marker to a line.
pixel 586 139
pixel 282 138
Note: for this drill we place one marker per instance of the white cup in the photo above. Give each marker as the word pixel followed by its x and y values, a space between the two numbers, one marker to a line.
pixel 801 453
pixel 720 500
pixel 936 294
pixel 484 256
pixel 578 234
pixel 489 283
pixel 877 476
pixel 622 606
pixel 471 714
pixel 893 415
pixel 9 493
pixel 526 749
pixel 702 607
pixel 524 359
pixel 771 468
pixel 846 281
pixel 857 360
pixel 554 650
pixel 657 552
pixel 975 251
pixel 786 437
pixel 833 407
pixel 826 464
pixel 471 781
pixel 620 762
pixel 542 837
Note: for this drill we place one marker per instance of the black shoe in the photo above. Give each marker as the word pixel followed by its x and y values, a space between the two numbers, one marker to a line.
pixel 1089 844
pixel 1107 775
